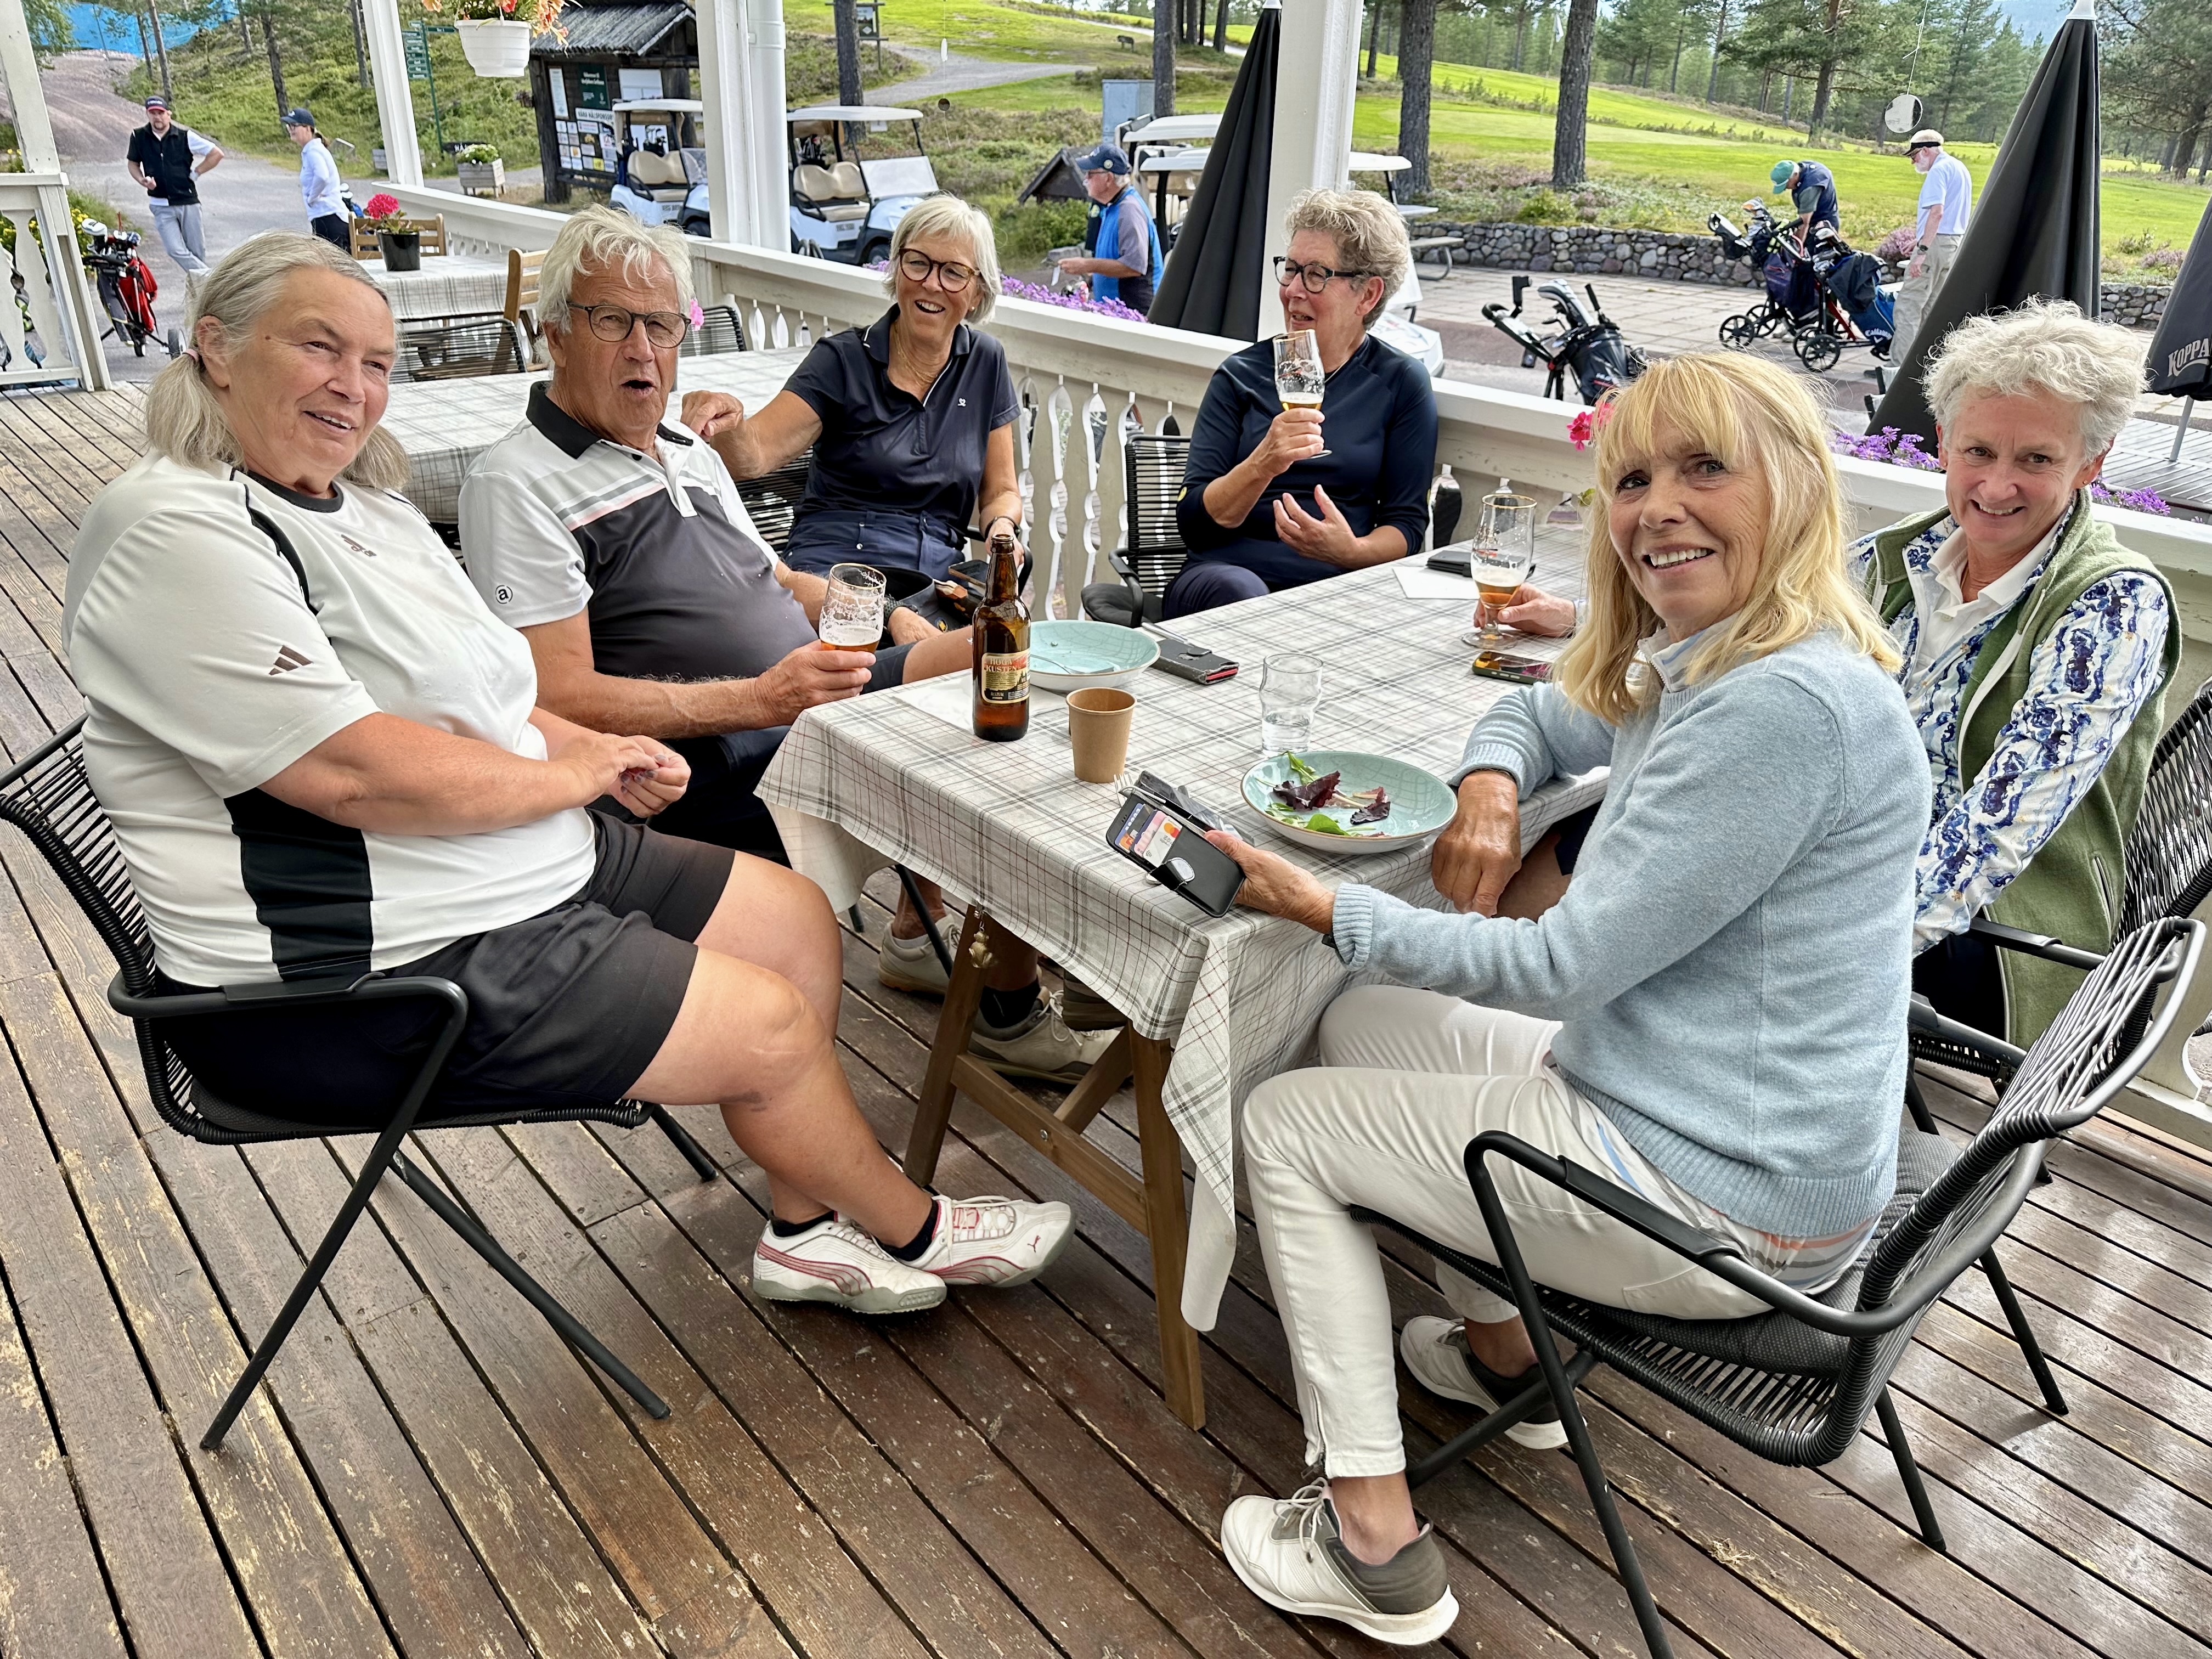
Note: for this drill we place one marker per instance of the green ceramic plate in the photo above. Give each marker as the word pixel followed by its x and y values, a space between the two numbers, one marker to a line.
pixel 1066 656
pixel 1419 804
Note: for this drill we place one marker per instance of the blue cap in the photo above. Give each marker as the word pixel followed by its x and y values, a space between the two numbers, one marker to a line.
pixel 299 118
pixel 1107 158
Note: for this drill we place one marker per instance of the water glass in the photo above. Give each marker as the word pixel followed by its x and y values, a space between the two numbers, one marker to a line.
pixel 853 609
pixel 1289 692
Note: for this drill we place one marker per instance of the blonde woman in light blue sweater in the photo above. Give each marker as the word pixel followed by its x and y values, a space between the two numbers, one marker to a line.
pixel 1712 1014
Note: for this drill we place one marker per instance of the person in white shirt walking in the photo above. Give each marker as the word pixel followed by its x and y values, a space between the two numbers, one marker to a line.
pixel 1947 196
pixel 169 161
pixel 319 181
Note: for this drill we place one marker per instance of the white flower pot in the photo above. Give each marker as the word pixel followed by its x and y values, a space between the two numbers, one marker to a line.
pixel 495 51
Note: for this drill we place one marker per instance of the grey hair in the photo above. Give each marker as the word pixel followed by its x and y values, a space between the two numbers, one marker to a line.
pixel 2047 347
pixel 601 238
pixel 946 214
pixel 1369 235
pixel 184 420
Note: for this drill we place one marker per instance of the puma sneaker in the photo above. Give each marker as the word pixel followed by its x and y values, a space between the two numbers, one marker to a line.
pixel 1290 1555
pixel 998 1242
pixel 834 1262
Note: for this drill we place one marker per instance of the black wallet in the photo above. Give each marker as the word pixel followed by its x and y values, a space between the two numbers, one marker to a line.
pixel 1191 662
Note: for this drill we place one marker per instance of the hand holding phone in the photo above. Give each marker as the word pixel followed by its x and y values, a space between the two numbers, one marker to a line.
pixel 1175 852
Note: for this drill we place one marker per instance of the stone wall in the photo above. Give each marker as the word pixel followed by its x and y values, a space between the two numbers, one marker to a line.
pixel 1673 256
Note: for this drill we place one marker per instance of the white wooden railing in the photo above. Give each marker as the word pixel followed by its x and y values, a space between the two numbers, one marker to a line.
pixel 1090 375
pixel 50 319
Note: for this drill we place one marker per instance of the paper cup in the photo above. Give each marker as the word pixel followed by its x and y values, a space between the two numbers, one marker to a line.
pixel 1098 726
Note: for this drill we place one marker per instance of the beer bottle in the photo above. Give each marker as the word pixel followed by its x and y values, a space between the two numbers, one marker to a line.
pixel 1001 635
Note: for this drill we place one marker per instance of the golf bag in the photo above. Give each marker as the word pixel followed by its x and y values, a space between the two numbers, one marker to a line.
pixel 125 281
pixel 1588 345
pixel 1856 281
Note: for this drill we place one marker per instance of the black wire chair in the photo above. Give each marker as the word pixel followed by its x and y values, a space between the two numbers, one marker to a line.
pixel 773 499
pixel 1795 1385
pixel 719 330
pixel 460 348
pixel 49 798
pixel 1152 471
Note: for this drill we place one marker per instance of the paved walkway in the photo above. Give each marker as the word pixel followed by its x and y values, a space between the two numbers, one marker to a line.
pixel 963 74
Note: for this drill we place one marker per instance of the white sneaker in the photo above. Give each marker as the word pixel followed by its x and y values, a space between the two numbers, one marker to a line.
pixel 1288 1555
pixel 834 1262
pixel 998 1242
pixel 1436 1352
pixel 910 964
pixel 1042 1046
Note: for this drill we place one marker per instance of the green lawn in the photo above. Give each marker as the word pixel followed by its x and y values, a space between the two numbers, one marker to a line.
pixel 1003 30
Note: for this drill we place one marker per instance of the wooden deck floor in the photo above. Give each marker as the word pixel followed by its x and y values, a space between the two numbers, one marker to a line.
pixel 430 1472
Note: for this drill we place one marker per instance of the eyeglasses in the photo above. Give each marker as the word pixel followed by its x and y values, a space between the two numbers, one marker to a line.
pixel 1314 279
pixel 950 274
pixel 613 324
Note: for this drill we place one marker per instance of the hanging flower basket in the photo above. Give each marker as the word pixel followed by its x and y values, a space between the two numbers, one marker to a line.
pixel 495 50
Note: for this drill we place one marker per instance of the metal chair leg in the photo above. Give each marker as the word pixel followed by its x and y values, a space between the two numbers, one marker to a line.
pixel 571 1331
pixel 372 1171
pixel 1917 1103
pixel 2024 1333
pixel 1513 1411
pixel 928 922
pixel 1909 1472
pixel 693 1153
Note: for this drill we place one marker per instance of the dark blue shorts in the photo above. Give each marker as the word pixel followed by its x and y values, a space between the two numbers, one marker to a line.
pixel 890 541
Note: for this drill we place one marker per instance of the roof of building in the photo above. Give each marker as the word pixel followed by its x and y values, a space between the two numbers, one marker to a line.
pixel 612 31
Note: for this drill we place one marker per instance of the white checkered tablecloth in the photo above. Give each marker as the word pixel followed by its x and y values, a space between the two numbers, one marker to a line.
pixel 447 285
pixel 863 783
pixel 444 425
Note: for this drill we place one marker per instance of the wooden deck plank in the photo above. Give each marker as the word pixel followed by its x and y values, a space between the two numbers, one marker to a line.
pixel 54 1596
pixel 111 424
pixel 68 473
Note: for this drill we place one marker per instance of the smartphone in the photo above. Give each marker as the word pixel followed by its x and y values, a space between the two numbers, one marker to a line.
pixel 1454 562
pixel 1517 671
pixel 1177 853
pixel 1192 662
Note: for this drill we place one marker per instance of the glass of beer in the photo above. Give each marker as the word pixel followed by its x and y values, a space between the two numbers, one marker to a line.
pixel 1503 554
pixel 853 609
pixel 1300 380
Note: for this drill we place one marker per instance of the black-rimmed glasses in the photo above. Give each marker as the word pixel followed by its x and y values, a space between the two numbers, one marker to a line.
pixel 950 274
pixel 1312 278
pixel 612 324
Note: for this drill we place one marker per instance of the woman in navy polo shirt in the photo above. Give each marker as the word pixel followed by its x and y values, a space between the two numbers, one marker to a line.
pixel 911 418
pixel 1262 507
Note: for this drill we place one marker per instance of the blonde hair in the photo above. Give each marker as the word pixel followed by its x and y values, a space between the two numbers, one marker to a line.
pixel 1369 233
pixel 2047 347
pixel 184 420
pixel 1745 414
pixel 946 214
pixel 603 238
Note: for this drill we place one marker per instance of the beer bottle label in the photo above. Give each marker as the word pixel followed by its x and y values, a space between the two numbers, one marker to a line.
pixel 1005 677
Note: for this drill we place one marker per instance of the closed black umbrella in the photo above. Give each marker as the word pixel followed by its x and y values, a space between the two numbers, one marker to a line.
pixel 2034 231
pixel 2181 354
pixel 1211 282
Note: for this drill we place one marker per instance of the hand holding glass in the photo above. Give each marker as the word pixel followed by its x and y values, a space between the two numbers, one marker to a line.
pixel 853 608
pixel 1290 691
pixel 1300 380
pixel 1503 554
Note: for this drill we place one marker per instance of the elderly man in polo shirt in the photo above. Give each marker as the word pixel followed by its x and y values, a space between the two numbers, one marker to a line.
pixel 618 546
pixel 1947 196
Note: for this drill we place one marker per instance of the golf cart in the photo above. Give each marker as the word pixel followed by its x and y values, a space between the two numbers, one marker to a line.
pixel 843 209
pixel 661 168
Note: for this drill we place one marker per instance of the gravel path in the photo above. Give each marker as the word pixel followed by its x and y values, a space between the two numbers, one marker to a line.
pixel 960 74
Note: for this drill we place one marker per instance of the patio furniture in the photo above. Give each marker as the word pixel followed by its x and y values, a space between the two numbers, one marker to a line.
pixel 1444 247
pixel 1152 471
pixel 49 798
pixel 1215 1005
pixel 719 330
pixel 455 285
pixel 773 499
pixel 520 305
pixel 432 230
pixel 1795 1386
pixel 459 348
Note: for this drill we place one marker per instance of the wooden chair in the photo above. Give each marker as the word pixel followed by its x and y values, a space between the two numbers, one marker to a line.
pixel 1153 468
pixel 459 348
pixel 49 798
pixel 719 331
pixel 521 306
pixel 366 247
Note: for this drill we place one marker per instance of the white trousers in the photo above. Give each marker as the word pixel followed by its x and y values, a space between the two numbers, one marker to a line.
pixel 1407 1077
pixel 179 228
pixel 1917 293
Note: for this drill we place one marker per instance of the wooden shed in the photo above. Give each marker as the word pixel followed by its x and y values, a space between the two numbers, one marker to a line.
pixel 606 55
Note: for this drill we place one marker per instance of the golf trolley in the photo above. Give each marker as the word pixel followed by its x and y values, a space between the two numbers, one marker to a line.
pixel 126 286
pixel 1799 302
pixel 1587 345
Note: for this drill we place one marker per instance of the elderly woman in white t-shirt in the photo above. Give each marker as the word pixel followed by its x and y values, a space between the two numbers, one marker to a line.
pixel 323 758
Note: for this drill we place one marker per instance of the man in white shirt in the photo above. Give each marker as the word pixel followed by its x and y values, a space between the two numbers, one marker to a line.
pixel 1947 196
pixel 169 160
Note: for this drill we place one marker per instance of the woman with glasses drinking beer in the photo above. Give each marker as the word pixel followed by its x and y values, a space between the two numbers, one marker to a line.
pixel 1287 486
pixel 911 418
pixel 1712 1015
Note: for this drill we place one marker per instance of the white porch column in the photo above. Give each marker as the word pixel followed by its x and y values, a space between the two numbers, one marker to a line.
pixel 741 84
pixel 1314 81
pixel 395 100
pixel 34 132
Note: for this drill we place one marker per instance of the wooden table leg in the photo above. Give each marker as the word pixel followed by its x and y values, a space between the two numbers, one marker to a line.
pixel 955 1025
pixel 1168 1229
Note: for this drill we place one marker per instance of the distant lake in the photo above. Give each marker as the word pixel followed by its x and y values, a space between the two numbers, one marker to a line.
pixel 121 36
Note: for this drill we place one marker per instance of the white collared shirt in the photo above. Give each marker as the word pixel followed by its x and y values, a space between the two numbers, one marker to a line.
pixel 1946 616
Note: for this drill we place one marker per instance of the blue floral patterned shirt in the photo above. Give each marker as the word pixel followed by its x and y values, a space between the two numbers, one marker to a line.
pixel 2086 683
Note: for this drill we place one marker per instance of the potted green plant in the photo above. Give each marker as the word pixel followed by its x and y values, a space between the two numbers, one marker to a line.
pixel 395 235
pixel 496 33
pixel 480 171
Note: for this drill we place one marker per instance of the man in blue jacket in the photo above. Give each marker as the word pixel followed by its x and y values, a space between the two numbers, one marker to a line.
pixel 1121 244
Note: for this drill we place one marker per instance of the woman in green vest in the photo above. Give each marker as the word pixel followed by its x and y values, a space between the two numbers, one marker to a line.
pixel 2037 650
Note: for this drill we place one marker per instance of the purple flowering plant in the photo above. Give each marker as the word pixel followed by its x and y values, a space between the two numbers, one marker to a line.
pixel 1014 288
pixel 1895 448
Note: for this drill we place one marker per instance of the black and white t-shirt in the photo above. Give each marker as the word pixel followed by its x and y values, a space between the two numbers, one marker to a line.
pixel 658 548
pixel 210 661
